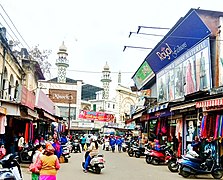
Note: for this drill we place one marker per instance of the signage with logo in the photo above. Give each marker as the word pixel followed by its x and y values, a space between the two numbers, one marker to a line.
pixel 190 31
pixel 143 75
pixel 98 116
pixel 63 96
pixel 189 73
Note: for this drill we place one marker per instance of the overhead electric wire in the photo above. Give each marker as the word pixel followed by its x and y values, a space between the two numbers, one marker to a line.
pixel 15 28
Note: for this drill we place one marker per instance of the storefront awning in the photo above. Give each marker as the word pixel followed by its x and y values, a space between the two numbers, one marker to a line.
pixel 158 108
pixel 2 110
pixel 183 106
pixel 47 115
pixel 210 103
pixel 137 115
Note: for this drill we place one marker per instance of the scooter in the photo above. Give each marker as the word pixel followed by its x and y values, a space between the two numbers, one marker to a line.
pixel 197 166
pixel 163 155
pixel 65 153
pixel 124 147
pixel 26 155
pixel 106 145
pixel 76 146
pixel 173 164
pixel 10 168
pixel 96 164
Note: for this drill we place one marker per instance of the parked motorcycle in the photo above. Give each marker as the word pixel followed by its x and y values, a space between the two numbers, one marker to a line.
pixel 163 155
pixel 124 147
pixel 96 164
pixel 173 164
pixel 197 166
pixel 76 146
pixel 134 148
pixel 26 155
pixel 10 167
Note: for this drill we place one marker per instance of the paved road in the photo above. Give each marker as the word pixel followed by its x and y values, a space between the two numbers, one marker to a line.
pixel 118 166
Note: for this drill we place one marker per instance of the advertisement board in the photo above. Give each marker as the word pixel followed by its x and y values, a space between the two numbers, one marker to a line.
pixel 187 74
pixel 98 116
pixel 63 96
pixel 188 32
pixel 143 75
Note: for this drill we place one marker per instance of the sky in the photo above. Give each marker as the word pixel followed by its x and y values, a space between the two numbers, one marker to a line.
pixel 96 31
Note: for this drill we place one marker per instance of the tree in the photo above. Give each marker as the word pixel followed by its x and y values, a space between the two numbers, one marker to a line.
pixel 42 58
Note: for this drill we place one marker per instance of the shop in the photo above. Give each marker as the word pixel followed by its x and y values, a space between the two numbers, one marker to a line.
pixel 211 127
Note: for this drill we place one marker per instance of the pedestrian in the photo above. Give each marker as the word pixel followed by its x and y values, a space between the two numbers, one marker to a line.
pixel 21 142
pixel 88 140
pixel 92 151
pixel 112 142
pixel 2 151
pixel 83 141
pixel 57 147
pixel 48 164
pixel 36 158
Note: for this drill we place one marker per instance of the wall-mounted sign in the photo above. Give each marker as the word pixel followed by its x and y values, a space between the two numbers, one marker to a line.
pixel 190 31
pixel 187 74
pixel 63 96
pixel 143 75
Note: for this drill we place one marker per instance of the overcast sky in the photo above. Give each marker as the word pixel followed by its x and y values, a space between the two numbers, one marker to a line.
pixel 96 31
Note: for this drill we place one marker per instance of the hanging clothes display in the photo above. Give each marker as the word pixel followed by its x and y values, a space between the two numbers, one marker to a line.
pixel 203 127
pixel 27 133
pixel 3 123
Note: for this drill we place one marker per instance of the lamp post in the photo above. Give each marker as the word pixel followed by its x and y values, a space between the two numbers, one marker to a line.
pixel 69 113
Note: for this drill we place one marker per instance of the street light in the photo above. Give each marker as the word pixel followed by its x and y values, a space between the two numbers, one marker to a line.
pixel 69 113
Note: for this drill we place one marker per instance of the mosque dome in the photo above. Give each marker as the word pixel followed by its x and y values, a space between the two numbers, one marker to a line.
pixel 106 67
pixel 63 47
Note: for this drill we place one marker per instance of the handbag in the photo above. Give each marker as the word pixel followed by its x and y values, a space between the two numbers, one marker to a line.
pixel 33 168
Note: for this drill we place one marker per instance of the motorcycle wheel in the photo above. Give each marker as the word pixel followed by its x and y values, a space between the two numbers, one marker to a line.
pixel 185 174
pixel 149 159
pixel 155 161
pixel 124 149
pixel 130 153
pixel 98 170
pixel 217 174
pixel 137 155
pixel 173 166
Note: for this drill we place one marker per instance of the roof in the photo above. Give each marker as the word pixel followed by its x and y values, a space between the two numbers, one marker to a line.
pixel 89 92
pixel 68 80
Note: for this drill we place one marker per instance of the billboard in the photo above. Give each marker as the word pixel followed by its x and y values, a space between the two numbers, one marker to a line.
pixel 188 32
pixel 98 116
pixel 189 73
pixel 143 75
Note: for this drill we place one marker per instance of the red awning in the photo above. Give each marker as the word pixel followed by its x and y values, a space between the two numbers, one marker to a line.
pixel 210 103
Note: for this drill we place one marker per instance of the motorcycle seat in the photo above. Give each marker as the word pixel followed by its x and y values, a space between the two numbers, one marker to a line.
pixel 199 160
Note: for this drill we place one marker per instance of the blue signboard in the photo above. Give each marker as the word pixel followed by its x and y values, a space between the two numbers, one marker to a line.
pixel 185 35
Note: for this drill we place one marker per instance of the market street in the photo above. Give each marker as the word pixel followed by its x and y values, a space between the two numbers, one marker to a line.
pixel 117 166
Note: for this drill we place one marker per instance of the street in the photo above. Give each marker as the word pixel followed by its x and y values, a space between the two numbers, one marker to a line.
pixel 117 166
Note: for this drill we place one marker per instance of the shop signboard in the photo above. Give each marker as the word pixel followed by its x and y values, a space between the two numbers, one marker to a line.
pixel 189 73
pixel 190 31
pixel 63 96
pixel 143 75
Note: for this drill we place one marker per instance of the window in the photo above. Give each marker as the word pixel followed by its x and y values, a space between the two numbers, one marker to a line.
pixel 113 106
pixel 108 105
pixel 94 107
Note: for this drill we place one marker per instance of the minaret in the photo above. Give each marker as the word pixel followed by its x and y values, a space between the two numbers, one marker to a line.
pixel 106 79
pixel 62 63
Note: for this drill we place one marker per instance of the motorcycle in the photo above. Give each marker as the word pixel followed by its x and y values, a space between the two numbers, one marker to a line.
pixel 76 146
pixel 106 145
pixel 10 167
pixel 134 148
pixel 96 164
pixel 124 147
pixel 173 164
pixel 197 166
pixel 163 155
pixel 65 153
pixel 26 155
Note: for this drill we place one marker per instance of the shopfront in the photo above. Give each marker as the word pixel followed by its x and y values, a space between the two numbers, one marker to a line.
pixel 211 128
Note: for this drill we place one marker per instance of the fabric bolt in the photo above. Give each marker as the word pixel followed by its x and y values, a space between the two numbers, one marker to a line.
pixel 216 127
pixel 27 133
pixel 2 124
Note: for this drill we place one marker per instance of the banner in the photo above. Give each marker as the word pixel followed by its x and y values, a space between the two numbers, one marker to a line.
pixel 98 116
